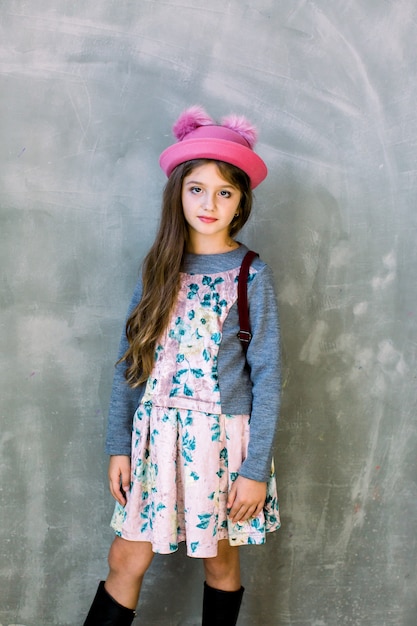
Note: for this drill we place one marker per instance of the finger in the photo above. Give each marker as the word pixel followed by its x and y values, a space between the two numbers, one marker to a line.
pixel 236 515
pixel 244 514
pixel 238 511
pixel 249 513
pixel 236 506
pixel 125 480
pixel 259 509
pixel 232 496
pixel 115 488
pixel 117 493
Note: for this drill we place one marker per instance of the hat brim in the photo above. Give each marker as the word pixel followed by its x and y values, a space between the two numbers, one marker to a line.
pixel 218 150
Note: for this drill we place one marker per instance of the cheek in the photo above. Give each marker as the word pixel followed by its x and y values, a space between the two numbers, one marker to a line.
pixel 188 212
pixel 183 199
pixel 185 203
pixel 236 209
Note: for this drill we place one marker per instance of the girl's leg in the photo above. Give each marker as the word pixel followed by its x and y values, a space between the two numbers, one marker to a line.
pixel 223 571
pixel 128 562
pixel 222 589
pixel 116 599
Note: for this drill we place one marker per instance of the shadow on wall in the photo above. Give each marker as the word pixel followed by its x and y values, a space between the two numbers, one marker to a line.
pixel 320 437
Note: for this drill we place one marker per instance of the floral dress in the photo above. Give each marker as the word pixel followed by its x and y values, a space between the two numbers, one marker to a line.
pixel 186 453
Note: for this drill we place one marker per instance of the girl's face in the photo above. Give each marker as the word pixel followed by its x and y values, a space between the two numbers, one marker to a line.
pixel 209 203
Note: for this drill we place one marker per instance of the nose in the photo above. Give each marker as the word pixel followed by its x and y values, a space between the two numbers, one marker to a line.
pixel 209 203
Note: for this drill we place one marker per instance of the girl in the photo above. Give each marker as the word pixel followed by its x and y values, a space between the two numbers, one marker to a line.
pixel 198 466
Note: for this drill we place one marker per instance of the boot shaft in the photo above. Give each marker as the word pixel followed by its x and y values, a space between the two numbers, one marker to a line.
pixel 221 608
pixel 105 611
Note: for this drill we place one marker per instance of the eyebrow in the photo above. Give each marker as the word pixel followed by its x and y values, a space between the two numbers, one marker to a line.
pixel 196 182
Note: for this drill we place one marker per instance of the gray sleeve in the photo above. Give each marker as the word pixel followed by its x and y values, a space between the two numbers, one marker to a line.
pixel 123 400
pixel 263 357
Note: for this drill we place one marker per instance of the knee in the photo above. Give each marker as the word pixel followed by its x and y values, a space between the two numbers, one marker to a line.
pixel 222 567
pixel 217 569
pixel 128 558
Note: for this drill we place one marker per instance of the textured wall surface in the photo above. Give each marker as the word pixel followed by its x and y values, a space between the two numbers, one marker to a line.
pixel 89 91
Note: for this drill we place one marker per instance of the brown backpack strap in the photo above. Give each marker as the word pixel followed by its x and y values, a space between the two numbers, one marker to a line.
pixel 244 333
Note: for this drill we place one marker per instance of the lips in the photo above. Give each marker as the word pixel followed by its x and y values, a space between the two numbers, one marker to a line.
pixel 207 220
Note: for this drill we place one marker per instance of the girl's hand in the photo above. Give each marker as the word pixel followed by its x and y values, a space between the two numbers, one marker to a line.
pixel 246 499
pixel 119 477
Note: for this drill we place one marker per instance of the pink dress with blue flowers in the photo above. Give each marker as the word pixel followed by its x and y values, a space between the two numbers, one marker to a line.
pixel 185 452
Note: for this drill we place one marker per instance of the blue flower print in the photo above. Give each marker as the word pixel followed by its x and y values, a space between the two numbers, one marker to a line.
pixel 188 447
pixel 204 520
pixel 212 299
pixel 176 378
pixel 148 407
pixel 223 455
pixel 206 301
pixel 216 337
pixel 215 430
pixel 179 330
pixel 193 290
pixel 158 351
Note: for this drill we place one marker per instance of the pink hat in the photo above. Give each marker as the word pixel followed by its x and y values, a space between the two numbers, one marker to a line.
pixel 199 137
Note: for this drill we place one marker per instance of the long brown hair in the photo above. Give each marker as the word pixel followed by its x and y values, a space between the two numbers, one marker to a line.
pixel 162 267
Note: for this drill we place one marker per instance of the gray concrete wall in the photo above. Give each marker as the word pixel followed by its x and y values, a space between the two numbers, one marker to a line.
pixel 88 93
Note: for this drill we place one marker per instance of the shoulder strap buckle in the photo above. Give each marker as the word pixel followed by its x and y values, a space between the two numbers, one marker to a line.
pixel 244 335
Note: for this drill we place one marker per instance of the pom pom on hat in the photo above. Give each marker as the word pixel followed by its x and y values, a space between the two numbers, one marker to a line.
pixel 241 125
pixel 190 120
pixel 200 137
pixel 195 116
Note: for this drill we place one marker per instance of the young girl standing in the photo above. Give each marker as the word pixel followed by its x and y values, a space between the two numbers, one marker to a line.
pixel 193 416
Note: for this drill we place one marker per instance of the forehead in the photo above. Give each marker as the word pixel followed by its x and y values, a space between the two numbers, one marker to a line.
pixel 207 173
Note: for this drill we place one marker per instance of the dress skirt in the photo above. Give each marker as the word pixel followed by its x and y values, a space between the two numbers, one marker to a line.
pixel 183 465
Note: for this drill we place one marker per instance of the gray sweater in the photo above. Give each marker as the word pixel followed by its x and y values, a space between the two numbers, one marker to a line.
pixel 256 393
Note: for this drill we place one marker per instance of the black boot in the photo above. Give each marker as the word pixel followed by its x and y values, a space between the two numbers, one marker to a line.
pixel 221 608
pixel 105 611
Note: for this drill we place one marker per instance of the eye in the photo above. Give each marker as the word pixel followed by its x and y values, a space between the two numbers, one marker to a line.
pixel 194 189
pixel 225 194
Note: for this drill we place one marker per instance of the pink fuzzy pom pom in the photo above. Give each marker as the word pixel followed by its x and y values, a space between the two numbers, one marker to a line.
pixel 189 120
pixel 241 125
